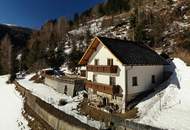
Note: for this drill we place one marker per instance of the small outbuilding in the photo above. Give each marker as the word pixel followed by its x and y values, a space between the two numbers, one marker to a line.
pixel 65 84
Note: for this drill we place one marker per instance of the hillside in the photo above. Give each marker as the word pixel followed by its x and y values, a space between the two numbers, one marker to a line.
pixel 13 40
pixel 162 24
pixel 18 35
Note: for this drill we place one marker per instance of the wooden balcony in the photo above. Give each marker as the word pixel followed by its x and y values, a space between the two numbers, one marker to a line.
pixel 102 68
pixel 99 87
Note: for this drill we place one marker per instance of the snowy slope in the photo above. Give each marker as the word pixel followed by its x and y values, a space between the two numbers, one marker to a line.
pixel 11 107
pixel 173 112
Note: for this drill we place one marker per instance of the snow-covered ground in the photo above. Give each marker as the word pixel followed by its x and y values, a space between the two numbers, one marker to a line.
pixel 50 96
pixel 11 117
pixel 170 108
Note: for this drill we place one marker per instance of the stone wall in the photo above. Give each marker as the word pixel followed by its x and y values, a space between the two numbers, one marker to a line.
pixel 60 86
pixel 55 118
pixel 123 124
pixel 72 86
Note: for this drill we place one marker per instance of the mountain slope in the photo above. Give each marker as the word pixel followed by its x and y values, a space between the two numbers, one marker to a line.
pixel 13 40
pixel 162 24
pixel 18 35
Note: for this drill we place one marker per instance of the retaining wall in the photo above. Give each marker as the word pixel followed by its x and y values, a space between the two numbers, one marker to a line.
pixel 55 118
pixel 123 124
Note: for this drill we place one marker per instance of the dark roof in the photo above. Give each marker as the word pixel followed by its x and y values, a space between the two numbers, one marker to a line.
pixel 133 53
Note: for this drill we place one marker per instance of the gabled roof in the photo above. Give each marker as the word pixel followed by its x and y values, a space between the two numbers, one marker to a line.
pixel 127 52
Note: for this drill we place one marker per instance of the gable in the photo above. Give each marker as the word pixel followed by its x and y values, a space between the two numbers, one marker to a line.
pixel 102 54
pixel 96 48
pixel 90 50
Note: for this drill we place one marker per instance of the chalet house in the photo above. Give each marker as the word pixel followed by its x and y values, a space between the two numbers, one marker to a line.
pixel 119 70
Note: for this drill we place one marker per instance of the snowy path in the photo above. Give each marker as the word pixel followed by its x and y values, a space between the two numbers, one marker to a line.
pixel 11 104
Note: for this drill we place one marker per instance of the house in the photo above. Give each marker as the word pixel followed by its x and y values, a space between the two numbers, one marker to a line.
pixel 119 70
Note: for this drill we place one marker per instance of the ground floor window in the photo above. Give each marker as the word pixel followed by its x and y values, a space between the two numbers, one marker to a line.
pixel 134 81
pixel 112 81
pixel 65 90
pixel 153 79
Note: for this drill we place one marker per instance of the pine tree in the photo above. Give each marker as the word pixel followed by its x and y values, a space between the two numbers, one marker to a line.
pixel 6 50
pixel 73 59
pixel 13 65
pixel 76 19
pixel 55 57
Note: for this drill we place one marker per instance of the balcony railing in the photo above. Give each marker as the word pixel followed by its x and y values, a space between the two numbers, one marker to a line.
pixel 99 87
pixel 102 68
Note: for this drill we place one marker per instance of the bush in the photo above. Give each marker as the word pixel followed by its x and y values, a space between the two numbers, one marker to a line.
pixel 62 102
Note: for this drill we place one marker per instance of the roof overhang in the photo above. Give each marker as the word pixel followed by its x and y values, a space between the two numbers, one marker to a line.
pixel 90 50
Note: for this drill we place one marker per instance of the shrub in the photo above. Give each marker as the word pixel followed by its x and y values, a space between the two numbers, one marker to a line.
pixel 62 102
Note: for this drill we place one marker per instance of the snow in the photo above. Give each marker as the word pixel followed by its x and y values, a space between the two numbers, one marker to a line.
pixel 52 97
pixel 68 50
pixel 43 91
pixel 183 24
pixel 170 108
pixel 19 57
pixel 65 69
pixel 11 107
pixel 11 25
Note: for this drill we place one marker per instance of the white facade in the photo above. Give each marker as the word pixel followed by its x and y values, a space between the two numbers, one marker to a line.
pixel 125 74
pixel 144 78
pixel 102 54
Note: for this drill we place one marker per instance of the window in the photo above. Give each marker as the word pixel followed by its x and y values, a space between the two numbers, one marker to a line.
pixel 109 62
pixel 153 79
pixel 112 81
pixel 134 81
pixel 94 78
pixel 94 91
pixel 96 62
pixel 65 90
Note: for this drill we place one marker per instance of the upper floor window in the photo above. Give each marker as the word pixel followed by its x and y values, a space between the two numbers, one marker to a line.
pixel 134 81
pixel 153 79
pixel 96 62
pixel 109 62
pixel 94 78
pixel 112 81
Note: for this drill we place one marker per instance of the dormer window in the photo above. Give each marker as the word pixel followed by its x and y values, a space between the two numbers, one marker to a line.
pixel 109 62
